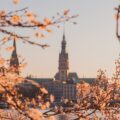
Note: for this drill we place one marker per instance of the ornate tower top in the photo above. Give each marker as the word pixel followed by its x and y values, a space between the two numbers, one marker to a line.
pixel 14 62
pixel 62 74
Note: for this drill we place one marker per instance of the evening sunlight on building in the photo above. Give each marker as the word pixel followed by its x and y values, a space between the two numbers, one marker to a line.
pixel 59 60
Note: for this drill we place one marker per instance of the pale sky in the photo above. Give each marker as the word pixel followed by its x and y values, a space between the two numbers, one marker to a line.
pixel 91 43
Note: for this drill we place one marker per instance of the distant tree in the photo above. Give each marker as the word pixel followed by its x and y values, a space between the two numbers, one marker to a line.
pixel 101 100
pixel 23 19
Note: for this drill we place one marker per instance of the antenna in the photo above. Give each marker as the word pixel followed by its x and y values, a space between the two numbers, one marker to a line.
pixel 64 27
pixel 64 30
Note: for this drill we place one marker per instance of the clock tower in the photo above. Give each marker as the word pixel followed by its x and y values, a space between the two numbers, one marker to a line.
pixel 62 74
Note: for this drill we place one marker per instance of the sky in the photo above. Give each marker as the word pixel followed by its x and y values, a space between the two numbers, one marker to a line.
pixel 91 44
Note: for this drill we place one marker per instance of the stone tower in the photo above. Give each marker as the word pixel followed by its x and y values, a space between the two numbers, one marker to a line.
pixel 14 62
pixel 62 74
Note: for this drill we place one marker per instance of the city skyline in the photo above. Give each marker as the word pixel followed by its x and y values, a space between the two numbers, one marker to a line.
pixel 90 44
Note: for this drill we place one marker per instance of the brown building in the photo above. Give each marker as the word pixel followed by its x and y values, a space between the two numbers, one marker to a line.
pixel 59 89
pixel 64 84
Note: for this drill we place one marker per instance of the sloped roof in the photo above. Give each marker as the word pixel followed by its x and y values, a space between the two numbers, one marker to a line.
pixel 72 75
pixel 77 80
pixel 39 80
pixel 88 80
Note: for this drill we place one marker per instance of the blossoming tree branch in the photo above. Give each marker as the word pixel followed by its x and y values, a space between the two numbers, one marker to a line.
pixel 12 88
pixel 92 100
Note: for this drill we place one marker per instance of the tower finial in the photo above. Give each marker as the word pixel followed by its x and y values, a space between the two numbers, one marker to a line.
pixel 14 44
pixel 64 33
pixel 63 41
pixel 64 27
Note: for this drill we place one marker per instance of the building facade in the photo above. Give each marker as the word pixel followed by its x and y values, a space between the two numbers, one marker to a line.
pixel 63 86
pixel 60 90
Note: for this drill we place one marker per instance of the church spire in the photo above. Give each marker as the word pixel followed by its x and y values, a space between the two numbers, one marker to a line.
pixel 14 62
pixel 63 43
pixel 62 73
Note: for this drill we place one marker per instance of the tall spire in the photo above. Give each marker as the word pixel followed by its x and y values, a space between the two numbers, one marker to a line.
pixel 14 62
pixel 63 67
pixel 63 41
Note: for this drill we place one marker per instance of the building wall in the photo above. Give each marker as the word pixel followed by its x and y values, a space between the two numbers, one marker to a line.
pixel 69 91
pixel 60 90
